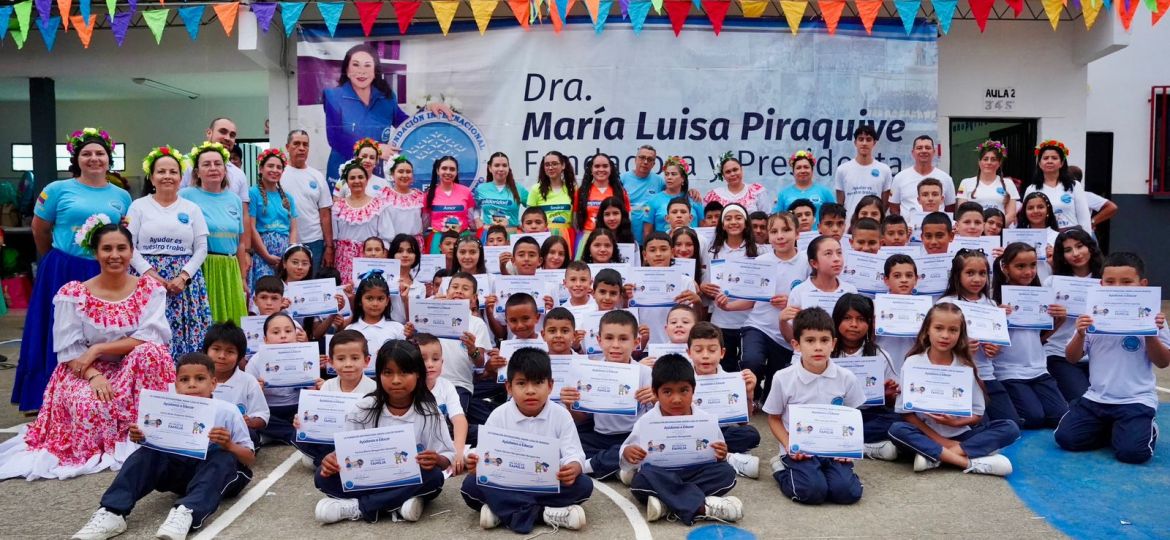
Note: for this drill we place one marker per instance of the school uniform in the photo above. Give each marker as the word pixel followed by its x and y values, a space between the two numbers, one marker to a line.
pixel 980 440
pixel 1022 368
pixel 603 439
pixel 460 371
pixel 684 489
pixel 378 333
pixel 1118 408
pixel 730 323
pixel 429 432
pixel 765 351
pixel 200 483
pixel 318 451
pixel 519 510
pixel 243 391
pixel 999 403
pixel 877 419
pixel 1072 379
pixel 815 480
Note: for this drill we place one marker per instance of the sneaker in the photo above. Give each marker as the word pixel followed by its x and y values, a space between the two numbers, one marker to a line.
pixel 885 451
pixel 177 524
pixel 777 462
pixel 923 464
pixel 994 465
pixel 104 524
pixel 567 517
pixel 654 509
pixel 745 464
pixel 724 508
pixel 627 475
pixel 331 510
pixel 307 462
pixel 487 518
pixel 412 509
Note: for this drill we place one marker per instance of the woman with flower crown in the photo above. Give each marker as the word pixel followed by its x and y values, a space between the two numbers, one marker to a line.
pixel 356 218
pixel 366 151
pixel 676 172
pixel 110 335
pixel 227 264
pixel 1066 194
pixel 405 202
pixel 170 245
pixel 753 197
pixel 274 215
pixel 803 166
pixel 989 188
pixel 61 209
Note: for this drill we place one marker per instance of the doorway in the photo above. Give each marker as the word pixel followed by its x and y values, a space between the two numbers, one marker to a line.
pixel 1018 135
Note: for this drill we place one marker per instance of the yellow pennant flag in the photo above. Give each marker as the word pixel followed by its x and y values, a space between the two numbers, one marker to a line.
pixel 753 9
pixel 482 10
pixel 1089 10
pixel 445 13
pixel 794 13
pixel 1053 9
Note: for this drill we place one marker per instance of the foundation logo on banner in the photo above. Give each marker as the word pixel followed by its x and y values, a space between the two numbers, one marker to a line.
pixel 428 136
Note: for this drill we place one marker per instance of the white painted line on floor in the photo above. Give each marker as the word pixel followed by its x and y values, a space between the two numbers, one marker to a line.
pixel 633 514
pixel 14 429
pixel 1160 389
pixel 247 499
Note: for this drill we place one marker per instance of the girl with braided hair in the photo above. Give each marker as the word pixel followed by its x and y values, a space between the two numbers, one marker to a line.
pixel 274 216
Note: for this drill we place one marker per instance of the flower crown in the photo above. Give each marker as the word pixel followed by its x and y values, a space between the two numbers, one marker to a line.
pixel 401 158
pixel 802 154
pixel 343 170
pixel 1052 143
pixel 994 146
pixel 364 142
pixel 679 162
pixel 162 151
pixel 723 159
pixel 85 233
pixel 209 146
pixel 77 138
pixel 278 153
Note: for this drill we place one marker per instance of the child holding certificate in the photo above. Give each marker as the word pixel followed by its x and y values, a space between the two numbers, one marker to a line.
pixel 445 394
pixel 732 241
pixel 814 380
pixel 901 277
pixel 690 492
pixel 705 349
pixel 349 355
pixel 1036 213
pixel 282 401
pixel 1076 260
pixel 825 262
pixel 530 382
pixel 405 248
pixel 853 317
pixel 371 313
pixel 968 442
pixel 401 397
pixel 865 236
pixel 523 320
pixel 1118 408
pixel 225 343
pixel 579 283
pixel 969 220
pixel 657 253
pixel 200 483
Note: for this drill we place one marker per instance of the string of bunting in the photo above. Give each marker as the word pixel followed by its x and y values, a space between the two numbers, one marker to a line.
pixel 526 12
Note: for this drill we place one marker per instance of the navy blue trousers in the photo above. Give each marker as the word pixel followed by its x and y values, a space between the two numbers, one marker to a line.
pixel 1038 401
pixel 979 441
pixel 316 452
pixel 1128 429
pixel 877 422
pixel 1072 379
pixel 603 450
pixel 999 403
pixel 815 480
pixel 373 502
pixel 740 438
pixel 684 491
pixel 519 510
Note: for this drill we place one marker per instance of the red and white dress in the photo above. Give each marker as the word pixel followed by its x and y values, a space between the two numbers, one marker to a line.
pixel 75 433
pixel 352 226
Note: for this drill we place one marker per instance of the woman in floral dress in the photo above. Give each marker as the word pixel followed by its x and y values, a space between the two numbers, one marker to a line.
pixel 356 218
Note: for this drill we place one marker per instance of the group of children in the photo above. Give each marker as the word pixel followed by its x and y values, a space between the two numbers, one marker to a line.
pixel 784 347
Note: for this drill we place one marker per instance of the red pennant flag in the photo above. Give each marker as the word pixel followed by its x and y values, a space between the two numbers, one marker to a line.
pixel 678 11
pixel 1126 10
pixel 1156 16
pixel 227 15
pixel 521 9
pixel 981 9
pixel 716 12
pixel 1018 6
pixel 868 11
pixel 831 12
pixel 404 12
pixel 84 31
pixel 368 13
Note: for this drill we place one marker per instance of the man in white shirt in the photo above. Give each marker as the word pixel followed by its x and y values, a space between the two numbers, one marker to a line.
pixel 904 194
pixel 308 189
pixel 223 131
pixel 861 175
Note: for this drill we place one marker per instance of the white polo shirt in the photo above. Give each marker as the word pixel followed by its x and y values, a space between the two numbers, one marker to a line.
pixel 795 385
pixel 1120 371
pixel 447 398
pixel 378 333
pixel 243 391
pixel 1024 359
pixel 983 364
pixel 364 386
pixel 719 317
pixel 553 422
pixel 977 404
pixel 457 365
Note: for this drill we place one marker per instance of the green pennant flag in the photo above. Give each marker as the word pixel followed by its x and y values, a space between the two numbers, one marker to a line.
pixel 657 6
pixel 23 12
pixel 156 20
pixel 112 6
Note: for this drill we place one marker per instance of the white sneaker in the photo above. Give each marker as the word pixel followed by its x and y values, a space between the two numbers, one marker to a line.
pixel 487 518
pixel 885 451
pixel 921 463
pixel 654 509
pixel 567 517
pixel 777 462
pixel 412 509
pixel 724 508
pixel 176 526
pixel 330 510
pixel 745 464
pixel 104 524
pixel 307 462
pixel 996 465
pixel 627 475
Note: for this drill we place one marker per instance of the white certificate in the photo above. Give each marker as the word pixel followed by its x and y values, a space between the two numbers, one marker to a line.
pixel 824 300
pixel 706 235
pixel 1029 306
pixel 389 269
pixel 658 350
pixel 322 414
pixel 311 298
pixel 871 373
pixel 864 271
pixel 441 318
pixel 986 323
pixel 594 268
pixel 937 389
pixel 483 285
pixel 517 461
pixel 1124 311
pixel 605 387
pixel 429 264
pixel 562 364
pixel 289 365
pixel 509 346
pixel 656 287
pixel 506 286
pixel 1037 238
pixel 976 243
pixel 174 423
pixel 914 222
pixel 253 327
pixel 554 282
pixel 933 272
pixel 723 395
pixel 540 237
pixel 1071 292
pixel 679 441
pixel 831 431
pixel 804 239
pixel 900 315
pixel 747 279
pixel 630 253
pixel 590 323
pixel 491 257
pixel 886 251
pixel 377 458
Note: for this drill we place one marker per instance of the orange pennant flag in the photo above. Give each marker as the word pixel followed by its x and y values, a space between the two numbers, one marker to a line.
pixel 521 9
pixel 793 13
pixel 84 31
pixel 753 9
pixel 1126 14
pixel 831 12
pixel 868 11
pixel 558 22
pixel 592 6
pixel 64 6
pixel 227 15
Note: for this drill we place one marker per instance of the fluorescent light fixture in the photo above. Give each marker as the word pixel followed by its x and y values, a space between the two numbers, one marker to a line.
pixel 151 83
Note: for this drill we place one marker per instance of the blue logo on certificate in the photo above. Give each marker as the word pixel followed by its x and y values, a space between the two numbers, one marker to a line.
pixel 349 484
pixel 839 400
pixel 427 136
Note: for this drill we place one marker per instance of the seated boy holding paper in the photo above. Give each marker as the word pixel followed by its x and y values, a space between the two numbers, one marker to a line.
pixel 529 411
pixel 689 492
pixel 523 319
pixel 200 483
pixel 348 354
pixel 226 343
pixel 705 348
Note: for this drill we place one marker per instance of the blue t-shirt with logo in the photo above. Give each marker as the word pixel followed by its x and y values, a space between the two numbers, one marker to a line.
pixel 655 210
pixel 68 203
pixel 817 193
pixel 224 214
pixel 496 203
pixel 640 191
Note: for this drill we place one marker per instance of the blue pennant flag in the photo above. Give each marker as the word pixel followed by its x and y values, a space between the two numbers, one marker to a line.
pixel 49 30
pixel 5 15
pixel 290 13
pixel 192 18
pixel 331 12
pixel 638 11
pixel 944 10
pixel 602 14
pixel 84 7
pixel 907 10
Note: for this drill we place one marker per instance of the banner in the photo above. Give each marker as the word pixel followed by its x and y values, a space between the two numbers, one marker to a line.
pixel 752 90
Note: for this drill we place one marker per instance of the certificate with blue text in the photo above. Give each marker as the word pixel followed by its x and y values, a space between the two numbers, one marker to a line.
pixel 933 271
pixel 986 323
pixel 656 287
pixel 679 441
pixel 723 395
pixel 322 414
pixel 900 315
pixel 830 431
pixel 562 365
pixel 864 271
pixel 174 423
pixel 1072 292
pixel 506 286
pixel 253 327
pixel 605 387
pixel 937 389
pixel 311 298
pixel 746 279
pixel 870 372
pixel 289 365
pixel 1124 311
pixel 1029 306
pixel 1037 238
pixel 441 318
pixel 378 458
pixel 517 461
pixel 388 269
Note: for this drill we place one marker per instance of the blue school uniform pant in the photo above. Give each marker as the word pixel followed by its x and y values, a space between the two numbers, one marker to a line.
pixel 1038 401
pixel 1072 379
pixel 981 440
pixel 519 510
pixel 280 427
pixel 876 423
pixel 740 438
pixel 764 357
pixel 732 341
pixel 684 490
pixel 602 450
pixel 372 502
pixel 999 404
pixel 816 480
pixel 1128 429
pixel 200 484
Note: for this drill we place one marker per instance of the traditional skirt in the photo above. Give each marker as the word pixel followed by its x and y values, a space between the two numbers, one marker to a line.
pixel 275 242
pixel 344 252
pixel 225 288
pixel 188 312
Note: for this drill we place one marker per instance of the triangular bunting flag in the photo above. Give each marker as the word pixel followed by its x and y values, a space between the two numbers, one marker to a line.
pixel 562 8
pixel 404 12
pixel 868 11
pixel 603 10
pixel 554 15
pixel 1126 9
pixel 591 6
pixel 831 12
pixel 1017 6
pixel 638 11
pixel 657 6
pixel 330 13
pixel 49 30
pixel 678 11
pixel 944 11
pixel 5 15
pixel 716 11
pixel 521 9
pixel 192 18
pixel 290 13
pixel 1163 6
pixel 19 38
pixel 119 24
pixel 482 11
pixel 907 10
pixel 227 15
pixel 84 31
pixel 112 6
pixel 264 13
pixel 65 6
pixel 625 5
pixel 1089 10
pixel 445 13
pixel 793 13
pixel 1152 5
pixel 981 9
pixel 156 20
pixel 44 10
pixel 133 6
pixel 23 14
pixel 368 14
pixel 1052 8
pixel 753 9
pixel 83 6
pixel 1108 4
